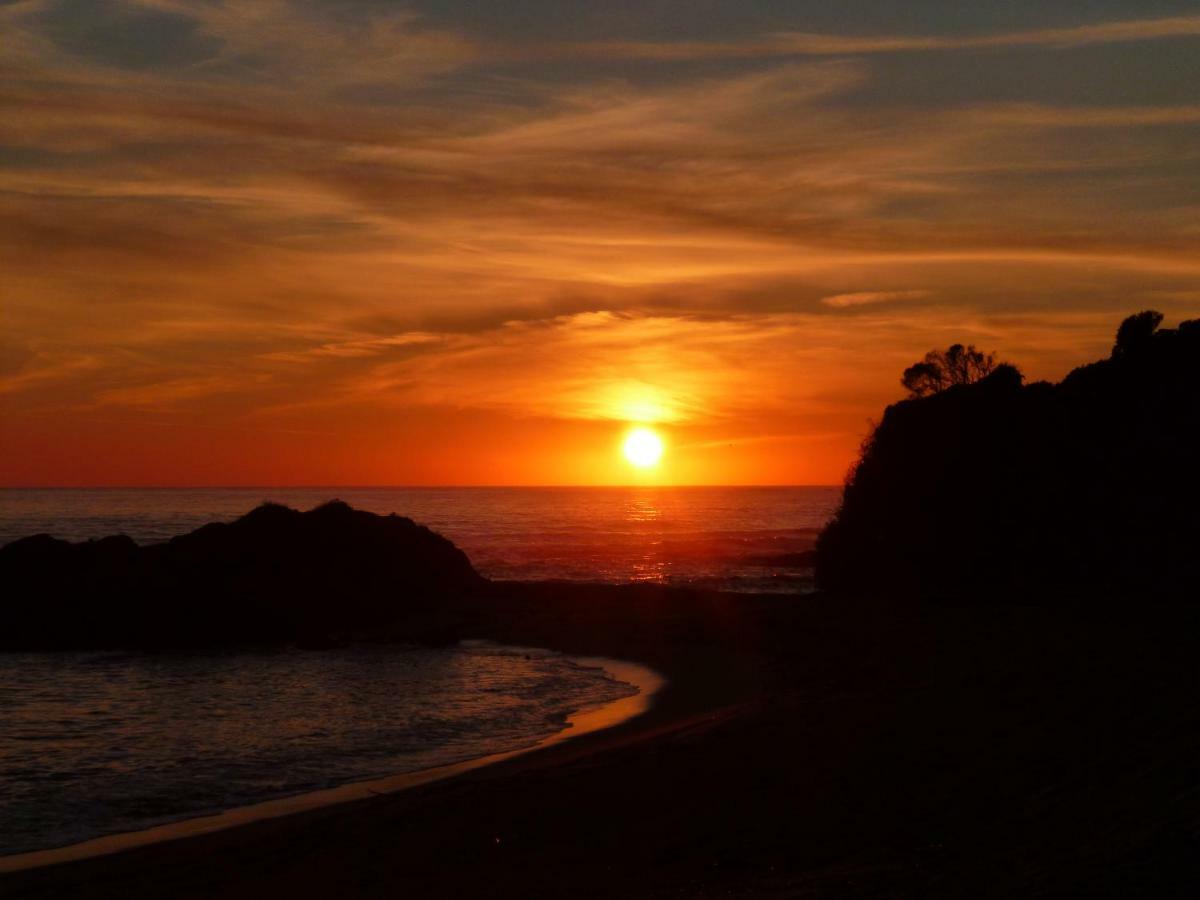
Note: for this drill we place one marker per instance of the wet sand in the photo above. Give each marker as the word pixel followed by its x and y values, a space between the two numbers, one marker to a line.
pixel 801 748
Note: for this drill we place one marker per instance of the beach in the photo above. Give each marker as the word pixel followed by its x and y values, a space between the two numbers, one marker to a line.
pixel 801 747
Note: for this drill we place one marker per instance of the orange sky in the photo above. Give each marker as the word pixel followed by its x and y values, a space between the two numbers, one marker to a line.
pixel 270 243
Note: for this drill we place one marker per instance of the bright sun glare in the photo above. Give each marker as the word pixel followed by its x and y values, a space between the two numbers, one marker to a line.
pixel 643 447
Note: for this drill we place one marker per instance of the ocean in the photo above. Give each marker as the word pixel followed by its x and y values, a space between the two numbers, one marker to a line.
pixel 732 538
pixel 93 744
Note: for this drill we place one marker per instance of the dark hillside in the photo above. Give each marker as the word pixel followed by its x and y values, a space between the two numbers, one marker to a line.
pixel 1082 489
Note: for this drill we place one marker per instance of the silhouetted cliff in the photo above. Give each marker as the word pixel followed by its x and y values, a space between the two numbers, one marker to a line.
pixel 1084 489
pixel 274 574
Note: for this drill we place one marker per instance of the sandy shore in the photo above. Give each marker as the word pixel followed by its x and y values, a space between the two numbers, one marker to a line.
pixel 801 748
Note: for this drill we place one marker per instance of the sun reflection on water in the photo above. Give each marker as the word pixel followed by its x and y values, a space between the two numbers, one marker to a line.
pixel 645 516
pixel 642 508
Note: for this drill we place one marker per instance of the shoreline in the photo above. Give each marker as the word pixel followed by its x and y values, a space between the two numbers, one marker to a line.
pixel 646 680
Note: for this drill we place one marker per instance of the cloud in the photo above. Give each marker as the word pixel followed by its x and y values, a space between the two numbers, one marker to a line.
pixel 170 393
pixel 1042 116
pixel 356 349
pixel 870 298
pixel 615 186
pixel 37 369
pixel 279 43
pixel 792 43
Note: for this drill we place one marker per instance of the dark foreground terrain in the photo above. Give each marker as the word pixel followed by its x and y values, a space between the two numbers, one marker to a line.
pixel 804 748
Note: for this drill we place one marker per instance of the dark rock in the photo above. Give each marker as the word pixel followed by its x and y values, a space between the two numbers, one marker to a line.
pixel 273 575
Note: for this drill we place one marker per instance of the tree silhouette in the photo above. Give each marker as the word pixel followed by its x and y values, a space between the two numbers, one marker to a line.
pixel 941 369
pixel 1136 331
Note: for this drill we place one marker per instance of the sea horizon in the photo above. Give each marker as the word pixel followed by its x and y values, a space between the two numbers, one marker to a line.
pixel 730 537
pixel 397 486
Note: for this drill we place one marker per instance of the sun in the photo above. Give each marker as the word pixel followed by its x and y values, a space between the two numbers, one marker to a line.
pixel 643 448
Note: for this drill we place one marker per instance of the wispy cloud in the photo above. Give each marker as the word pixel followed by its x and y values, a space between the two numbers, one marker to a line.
pixel 870 298
pixel 824 44
pixel 171 393
pixel 356 349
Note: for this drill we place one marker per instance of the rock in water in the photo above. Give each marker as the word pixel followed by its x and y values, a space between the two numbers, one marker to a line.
pixel 275 574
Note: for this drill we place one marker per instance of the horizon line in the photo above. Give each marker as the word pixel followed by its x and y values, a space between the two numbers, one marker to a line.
pixel 359 487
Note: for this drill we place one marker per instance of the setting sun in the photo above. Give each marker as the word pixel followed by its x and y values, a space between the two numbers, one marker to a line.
pixel 643 448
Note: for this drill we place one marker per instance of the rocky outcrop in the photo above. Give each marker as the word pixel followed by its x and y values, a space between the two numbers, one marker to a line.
pixel 273 575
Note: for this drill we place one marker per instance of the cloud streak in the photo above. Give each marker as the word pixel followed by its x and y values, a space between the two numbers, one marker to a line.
pixel 784 44
pixel 871 298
